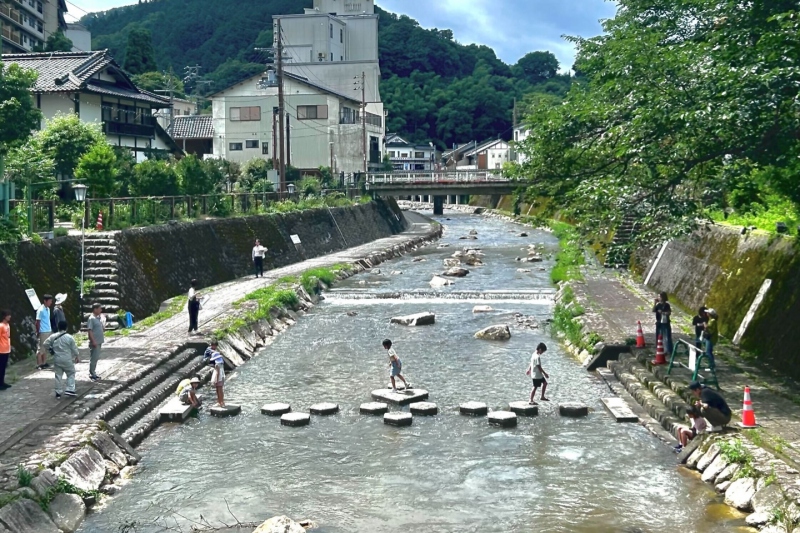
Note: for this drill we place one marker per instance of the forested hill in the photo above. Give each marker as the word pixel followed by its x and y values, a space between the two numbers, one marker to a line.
pixel 434 87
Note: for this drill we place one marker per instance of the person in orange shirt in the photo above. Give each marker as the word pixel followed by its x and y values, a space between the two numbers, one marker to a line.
pixel 5 346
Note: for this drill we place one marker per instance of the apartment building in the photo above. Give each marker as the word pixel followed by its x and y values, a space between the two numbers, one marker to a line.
pixel 26 24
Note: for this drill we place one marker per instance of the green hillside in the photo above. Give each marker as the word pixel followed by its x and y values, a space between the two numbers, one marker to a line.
pixel 433 86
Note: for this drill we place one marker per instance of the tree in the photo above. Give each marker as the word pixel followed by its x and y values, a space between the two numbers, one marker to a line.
pixel 65 138
pixel 154 177
pixel 193 176
pixel 18 113
pixel 28 163
pixel 160 81
pixel 98 169
pixel 537 67
pixel 57 42
pixel 254 171
pixel 126 162
pixel 140 57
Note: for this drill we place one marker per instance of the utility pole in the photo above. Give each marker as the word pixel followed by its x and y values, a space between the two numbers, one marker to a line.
pixel 274 138
pixel 281 110
pixel 288 142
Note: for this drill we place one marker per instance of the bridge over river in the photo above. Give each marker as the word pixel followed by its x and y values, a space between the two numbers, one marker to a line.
pixel 440 184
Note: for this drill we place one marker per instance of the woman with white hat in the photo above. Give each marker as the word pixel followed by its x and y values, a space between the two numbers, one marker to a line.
pixel 58 316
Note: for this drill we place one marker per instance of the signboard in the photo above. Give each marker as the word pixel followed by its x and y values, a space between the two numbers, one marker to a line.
pixel 31 293
pixel 692 358
pixel 295 239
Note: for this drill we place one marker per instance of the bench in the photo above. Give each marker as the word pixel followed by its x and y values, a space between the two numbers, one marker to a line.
pixel 175 411
pixel 696 358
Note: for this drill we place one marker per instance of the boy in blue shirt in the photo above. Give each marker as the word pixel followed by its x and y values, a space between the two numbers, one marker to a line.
pixel 43 331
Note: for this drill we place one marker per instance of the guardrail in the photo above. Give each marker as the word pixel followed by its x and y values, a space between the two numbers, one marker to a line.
pixel 696 357
pixel 424 177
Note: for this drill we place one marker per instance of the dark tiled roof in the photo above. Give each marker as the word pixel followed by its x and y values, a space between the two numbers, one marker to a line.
pixel 192 127
pixel 73 71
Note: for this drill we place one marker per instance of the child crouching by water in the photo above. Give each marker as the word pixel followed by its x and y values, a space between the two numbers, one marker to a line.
pixel 396 366
pixel 699 426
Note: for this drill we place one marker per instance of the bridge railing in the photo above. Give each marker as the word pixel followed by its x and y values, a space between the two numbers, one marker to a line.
pixel 443 177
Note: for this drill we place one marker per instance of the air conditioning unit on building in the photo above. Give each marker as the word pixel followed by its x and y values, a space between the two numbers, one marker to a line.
pixel 321 56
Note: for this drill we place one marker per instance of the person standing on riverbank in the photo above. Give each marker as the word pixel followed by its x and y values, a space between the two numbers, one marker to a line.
pixel 57 314
pixel 218 377
pixel 663 311
pixel 712 406
pixel 5 346
pixel 43 331
pixel 258 258
pixel 96 327
pixel 65 355
pixel 193 304
pixel 537 373
pixel 711 336
pixel 699 324
pixel 395 366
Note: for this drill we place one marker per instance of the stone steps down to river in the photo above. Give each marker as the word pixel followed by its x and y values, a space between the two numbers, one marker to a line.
pixel 101 267
pixel 619 409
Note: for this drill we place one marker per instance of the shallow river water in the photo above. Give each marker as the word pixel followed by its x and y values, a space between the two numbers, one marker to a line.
pixel 448 473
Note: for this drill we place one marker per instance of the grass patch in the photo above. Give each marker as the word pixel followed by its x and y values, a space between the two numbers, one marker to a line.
pixel 570 257
pixel 24 477
pixel 175 306
pixel 564 321
pixel 734 452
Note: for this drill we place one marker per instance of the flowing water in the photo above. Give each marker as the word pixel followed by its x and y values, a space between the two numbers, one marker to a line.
pixel 448 473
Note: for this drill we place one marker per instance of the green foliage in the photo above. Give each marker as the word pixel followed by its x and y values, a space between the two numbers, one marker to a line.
pixel 24 477
pixel 140 57
pixel 28 163
pixel 36 239
pixel 160 81
pixel 309 186
pixel 65 138
pixel 733 451
pixel 254 171
pixel 193 176
pixel 98 169
pixel 60 232
pixel 88 285
pixel 570 257
pixel 175 306
pixel 56 42
pixel 154 178
pixel 18 114
pixel 537 67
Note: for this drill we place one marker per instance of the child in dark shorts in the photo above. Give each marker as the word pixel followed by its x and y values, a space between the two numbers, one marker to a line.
pixel 537 373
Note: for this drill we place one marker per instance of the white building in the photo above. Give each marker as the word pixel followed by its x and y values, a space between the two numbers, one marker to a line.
pixel 490 155
pixel 93 86
pixel 410 157
pixel 80 36
pixel 26 24
pixel 520 134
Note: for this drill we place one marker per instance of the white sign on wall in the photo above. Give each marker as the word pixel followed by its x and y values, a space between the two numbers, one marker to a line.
pixel 31 293
pixel 295 239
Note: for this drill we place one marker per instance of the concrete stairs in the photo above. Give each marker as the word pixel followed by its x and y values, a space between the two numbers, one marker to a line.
pixel 618 254
pixel 101 267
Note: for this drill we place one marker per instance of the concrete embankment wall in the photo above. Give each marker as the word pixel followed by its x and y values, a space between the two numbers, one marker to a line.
pixel 720 268
pixel 158 262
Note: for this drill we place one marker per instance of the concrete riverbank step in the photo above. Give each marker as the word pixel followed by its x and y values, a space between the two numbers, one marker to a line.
pixel 400 397
pixel 424 409
pixel 374 408
pixel 175 411
pixel 398 419
pixel 295 419
pixel 523 408
pixel 276 409
pixel 619 409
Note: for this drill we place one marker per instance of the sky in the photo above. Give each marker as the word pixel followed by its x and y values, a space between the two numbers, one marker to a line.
pixel 511 27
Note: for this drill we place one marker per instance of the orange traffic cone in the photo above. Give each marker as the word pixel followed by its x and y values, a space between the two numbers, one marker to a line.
pixel 99 226
pixel 748 415
pixel 661 358
pixel 639 335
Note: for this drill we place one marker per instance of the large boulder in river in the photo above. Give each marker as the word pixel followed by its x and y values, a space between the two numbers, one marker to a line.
pixel 452 262
pixel 482 309
pixel 473 260
pixel 456 272
pixel 85 469
pixel 67 512
pixel 438 281
pixel 25 515
pixel 494 333
pixel 280 524
pixel 420 319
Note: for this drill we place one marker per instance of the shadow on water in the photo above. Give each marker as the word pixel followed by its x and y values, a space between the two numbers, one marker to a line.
pixel 446 473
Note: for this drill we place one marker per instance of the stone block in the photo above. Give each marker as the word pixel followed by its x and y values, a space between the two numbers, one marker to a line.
pixel 689 449
pixel 693 459
pixel 740 493
pixel 438 282
pixel 108 449
pixel 573 409
pixel 398 419
pixel 758 519
pixel 456 272
pixel 619 409
pixel 708 457
pixel 768 498
pixel 43 482
pixel 374 408
pixel 224 412
pixel 722 487
pixel 473 409
pixel 174 411
pixel 324 409
pixel 714 469
pixel 401 397
pixel 523 408
pixel 295 419
pixel 280 524
pixel 85 469
pixel 67 512
pixel 494 333
pixel 276 409
pixel 25 516
pixel 424 409
pixel 419 319
pixel 504 419
pixel 482 309
pixel 452 262
pixel 729 473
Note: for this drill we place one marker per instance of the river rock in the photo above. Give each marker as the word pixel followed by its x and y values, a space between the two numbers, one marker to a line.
pixel 352 313
pixel 473 232
pixel 709 457
pixel 374 408
pixel 276 409
pixel 67 512
pixel 452 263
pixel 224 412
pixel 494 333
pixel 280 524
pixel 523 234
pixel 109 449
pixel 740 493
pixel 85 469
pixel 523 270
pixel 482 309
pixel 729 473
pixel 722 487
pixel 473 409
pixel 295 419
pixel 398 419
pixel 420 319
pixel 696 455
pixel 504 419
pixel 397 272
pixel 714 469
pixel 469 238
pixel 523 408
pixel 375 271
pixel 758 519
pixel 456 272
pixel 44 481
pixel 25 516
pixel 424 408
pixel 473 260
pixel 418 260
pixel 573 409
pixel 437 282
pixel 324 409
pixel 768 498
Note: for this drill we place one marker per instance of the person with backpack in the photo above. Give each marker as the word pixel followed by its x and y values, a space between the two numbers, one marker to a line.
pixel 65 354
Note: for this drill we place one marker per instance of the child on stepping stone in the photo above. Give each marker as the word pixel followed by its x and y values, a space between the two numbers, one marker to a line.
pixel 699 426
pixel 537 373
pixel 218 377
pixel 396 366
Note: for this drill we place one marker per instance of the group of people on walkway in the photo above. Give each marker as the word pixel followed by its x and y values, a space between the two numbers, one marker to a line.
pixel 704 323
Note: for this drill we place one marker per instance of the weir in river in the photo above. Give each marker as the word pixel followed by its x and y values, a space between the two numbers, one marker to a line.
pixel 446 473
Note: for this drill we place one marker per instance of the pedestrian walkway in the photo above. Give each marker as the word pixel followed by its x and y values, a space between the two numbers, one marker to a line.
pixel 614 302
pixel 31 399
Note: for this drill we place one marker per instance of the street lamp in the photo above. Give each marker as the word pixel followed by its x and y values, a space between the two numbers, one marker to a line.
pixel 433 154
pixel 290 188
pixel 80 197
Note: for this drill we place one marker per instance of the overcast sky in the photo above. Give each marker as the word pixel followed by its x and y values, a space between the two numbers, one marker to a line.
pixel 511 27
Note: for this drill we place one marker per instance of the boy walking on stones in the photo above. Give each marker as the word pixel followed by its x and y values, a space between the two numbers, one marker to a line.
pixel 396 366
pixel 96 327
pixel 537 373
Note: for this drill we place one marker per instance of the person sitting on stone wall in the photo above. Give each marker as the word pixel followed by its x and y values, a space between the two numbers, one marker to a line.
pixel 712 406
pixel 699 427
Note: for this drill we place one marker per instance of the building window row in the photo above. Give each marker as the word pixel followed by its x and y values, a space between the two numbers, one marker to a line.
pixel 312 112
pixel 250 144
pixel 246 114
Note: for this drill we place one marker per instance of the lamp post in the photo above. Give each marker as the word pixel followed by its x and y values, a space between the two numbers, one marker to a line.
pixel 290 188
pixel 80 197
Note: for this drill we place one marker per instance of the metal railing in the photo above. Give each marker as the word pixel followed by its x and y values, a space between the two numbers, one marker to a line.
pixel 444 177
pixel 43 214
pixel 696 357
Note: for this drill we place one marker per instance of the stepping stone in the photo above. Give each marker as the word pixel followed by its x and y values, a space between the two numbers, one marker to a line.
pixel 324 409
pixel 174 411
pixel 228 410
pixel 473 409
pixel 295 419
pixel 276 409
pixel 523 408
pixel 506 419
pixel 398 419
pixel 424 408
pixel 374 408
pixel 573 410
pixel 400 397
pixel 620 409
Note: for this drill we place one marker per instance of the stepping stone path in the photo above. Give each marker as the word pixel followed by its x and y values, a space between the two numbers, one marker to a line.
pixel 506 419
pixel 573 410
pixel 473 409
pixel 523 408
pixel 295 419
pixel 324 409
pixel 398 419
pixel 374 408
pixel 400 398
pixel 276 409
pixel 228 410
pixel 424 408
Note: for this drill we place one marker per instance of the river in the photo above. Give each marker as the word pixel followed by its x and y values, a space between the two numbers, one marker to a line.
pixel 448 473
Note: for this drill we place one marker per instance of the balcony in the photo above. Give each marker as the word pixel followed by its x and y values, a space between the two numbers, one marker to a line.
pixel 132 130
pixel 13 36
pixel 11 14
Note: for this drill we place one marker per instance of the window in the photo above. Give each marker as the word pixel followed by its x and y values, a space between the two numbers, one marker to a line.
pixel 419 155
pixel 265 148
pixel 251 143
pixel 39 7
pixel 235 147
pixel 39 27
pixel 341 58
pixel 312 112
pixel 331 31
pixel 341 35
pixel 391 153
pixel 246 114
pixel 331 57
pixel 516 135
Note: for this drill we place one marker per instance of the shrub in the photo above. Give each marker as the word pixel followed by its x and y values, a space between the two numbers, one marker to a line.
pixel 60 232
